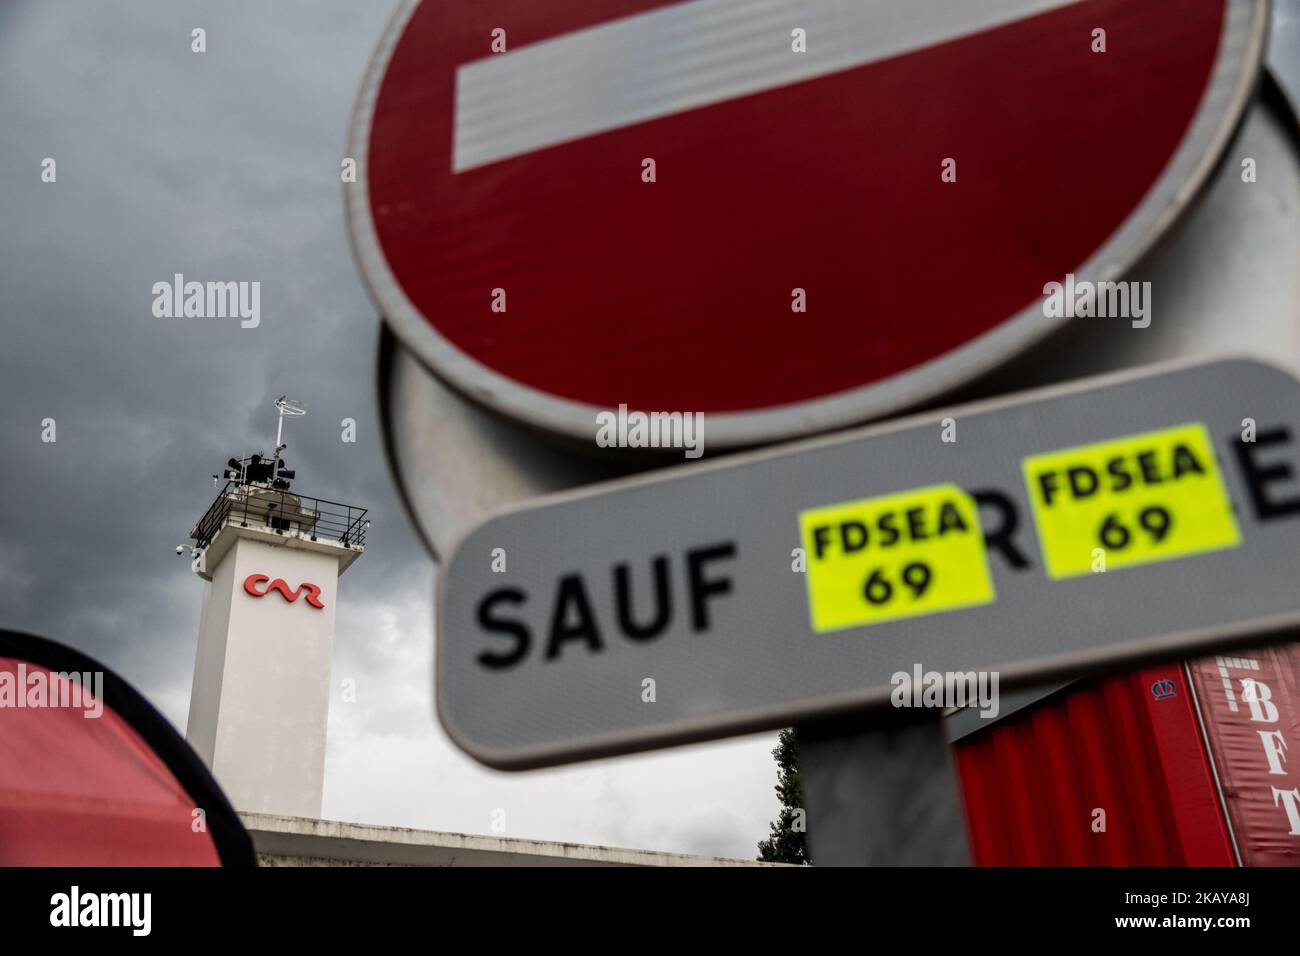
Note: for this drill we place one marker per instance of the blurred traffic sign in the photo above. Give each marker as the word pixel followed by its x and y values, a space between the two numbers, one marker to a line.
pixel 507 229
pixel 783 586
pixel 1237 251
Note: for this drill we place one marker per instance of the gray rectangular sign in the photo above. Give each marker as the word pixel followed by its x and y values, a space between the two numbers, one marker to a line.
pixel 1041 536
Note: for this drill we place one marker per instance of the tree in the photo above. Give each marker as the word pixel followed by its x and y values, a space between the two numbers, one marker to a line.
pixel 787 844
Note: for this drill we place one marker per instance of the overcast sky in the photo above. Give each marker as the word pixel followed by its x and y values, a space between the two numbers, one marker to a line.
pixel 225 166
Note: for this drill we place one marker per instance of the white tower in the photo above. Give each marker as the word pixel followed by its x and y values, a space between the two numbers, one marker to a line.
pixel 270 560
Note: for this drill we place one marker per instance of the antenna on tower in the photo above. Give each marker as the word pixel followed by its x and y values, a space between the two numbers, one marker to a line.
pixel 285 406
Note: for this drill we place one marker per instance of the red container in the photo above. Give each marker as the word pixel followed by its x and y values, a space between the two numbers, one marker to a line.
pixel 1178 765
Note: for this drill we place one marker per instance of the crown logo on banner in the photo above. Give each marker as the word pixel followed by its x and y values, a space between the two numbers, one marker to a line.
pixel 1164 689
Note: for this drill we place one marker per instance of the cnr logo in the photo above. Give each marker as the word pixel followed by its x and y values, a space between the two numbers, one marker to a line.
pixel 253 582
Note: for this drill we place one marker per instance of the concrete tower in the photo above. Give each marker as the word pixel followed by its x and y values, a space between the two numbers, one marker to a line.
pixel 270 561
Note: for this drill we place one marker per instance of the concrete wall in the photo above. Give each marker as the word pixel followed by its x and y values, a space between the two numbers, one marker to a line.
pixel 288 841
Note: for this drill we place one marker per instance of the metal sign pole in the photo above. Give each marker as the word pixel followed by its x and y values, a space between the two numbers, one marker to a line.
pixel 881 791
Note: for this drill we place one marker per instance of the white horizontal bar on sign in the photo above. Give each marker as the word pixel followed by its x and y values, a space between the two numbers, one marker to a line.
pixel 689 55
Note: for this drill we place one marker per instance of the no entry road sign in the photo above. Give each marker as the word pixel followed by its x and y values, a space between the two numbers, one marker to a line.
pixel 1062 531
pixel 509 226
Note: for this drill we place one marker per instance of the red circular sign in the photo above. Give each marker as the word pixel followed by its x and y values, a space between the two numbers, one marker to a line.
pixel 519 179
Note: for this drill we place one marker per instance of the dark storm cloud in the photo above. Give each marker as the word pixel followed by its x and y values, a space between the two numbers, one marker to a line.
pixel 225 166
pixel 1284 48
pixel 220 166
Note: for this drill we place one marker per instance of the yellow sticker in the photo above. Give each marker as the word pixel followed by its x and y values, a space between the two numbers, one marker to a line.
pixel 1133 500
pixel 881 559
